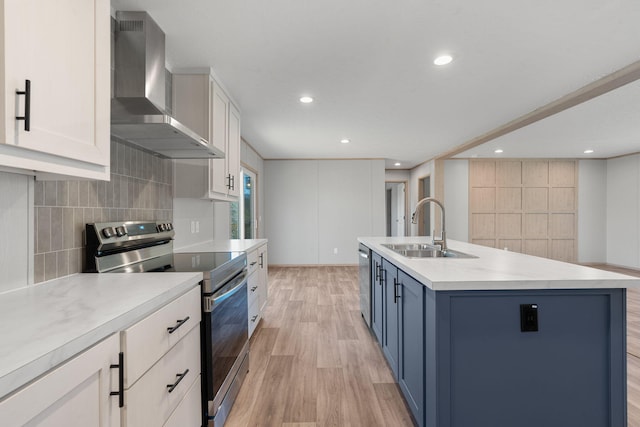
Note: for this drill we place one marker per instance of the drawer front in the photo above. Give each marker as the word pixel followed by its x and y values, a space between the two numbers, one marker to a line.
pixel 253 288
pixel 252 261
pixel 189 412
pixel 149 402
pixel 148 340
pixel 254 316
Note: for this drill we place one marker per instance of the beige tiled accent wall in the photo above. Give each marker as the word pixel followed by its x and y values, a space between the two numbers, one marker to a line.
pixel 140 189
pixel 527 206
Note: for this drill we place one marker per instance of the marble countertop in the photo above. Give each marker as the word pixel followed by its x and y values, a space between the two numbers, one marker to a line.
pixel 495 269
pixel 45 324
pixel 230 245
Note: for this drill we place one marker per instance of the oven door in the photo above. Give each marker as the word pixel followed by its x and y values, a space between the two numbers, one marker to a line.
pixel 225 339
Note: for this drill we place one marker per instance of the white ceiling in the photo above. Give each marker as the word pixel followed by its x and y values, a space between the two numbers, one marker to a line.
pixel 368 64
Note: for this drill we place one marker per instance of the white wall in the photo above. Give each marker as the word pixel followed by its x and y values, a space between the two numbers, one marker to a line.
pixel 197 211
pixel 314 208
pixel 623 211
pixel 399 175
pixel 456 199
pixel 16 229
pixel 592 211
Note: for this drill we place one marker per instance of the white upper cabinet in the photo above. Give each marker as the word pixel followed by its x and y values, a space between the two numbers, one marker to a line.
pixel 62 50
pixel 199 102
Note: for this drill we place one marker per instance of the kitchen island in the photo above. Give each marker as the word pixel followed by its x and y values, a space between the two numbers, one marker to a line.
pixel 502 338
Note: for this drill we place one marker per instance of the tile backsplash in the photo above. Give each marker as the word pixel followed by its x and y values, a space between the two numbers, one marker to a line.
pixel 140 189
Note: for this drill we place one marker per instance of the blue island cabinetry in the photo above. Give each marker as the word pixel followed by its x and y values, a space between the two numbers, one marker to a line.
pixel 473 357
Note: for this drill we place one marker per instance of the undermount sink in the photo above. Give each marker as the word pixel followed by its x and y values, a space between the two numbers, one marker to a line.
pixel 423 250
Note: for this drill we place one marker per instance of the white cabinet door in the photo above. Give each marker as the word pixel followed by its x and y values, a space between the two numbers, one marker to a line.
pixel 233 152
pixel 76 393
pixel 62 47
pixel 220 137
pixel 222 179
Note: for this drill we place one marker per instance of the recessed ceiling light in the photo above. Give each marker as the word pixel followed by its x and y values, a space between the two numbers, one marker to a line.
pixel 306 99
pixel 498 151
pixel 397 164
pixel 345 140
pixel 443 60
pixel 588 151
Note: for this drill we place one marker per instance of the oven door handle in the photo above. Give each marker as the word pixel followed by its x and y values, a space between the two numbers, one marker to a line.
pixel 240 280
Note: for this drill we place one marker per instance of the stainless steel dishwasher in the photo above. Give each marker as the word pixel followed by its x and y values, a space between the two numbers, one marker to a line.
pixel 365 283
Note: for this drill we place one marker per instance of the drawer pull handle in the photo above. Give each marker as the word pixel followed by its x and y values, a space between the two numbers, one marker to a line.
pixel 172 387
pixel 119 393
pixel 254 289
pixel 253 319
pixel 27 105
pixel 172 329
pixel 253 263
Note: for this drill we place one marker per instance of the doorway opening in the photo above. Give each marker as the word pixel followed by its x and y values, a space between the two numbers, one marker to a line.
pixel 396 208
pixel 243 212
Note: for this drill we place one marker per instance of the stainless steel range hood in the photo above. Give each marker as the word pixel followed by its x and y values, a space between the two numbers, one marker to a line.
pixel 138 113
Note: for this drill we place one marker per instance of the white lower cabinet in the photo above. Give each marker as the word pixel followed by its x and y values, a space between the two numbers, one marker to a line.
pixel 77 393
pixel 154 397
pixel 162 364
pixel 263 277
pixel 257 286
pixel 188 412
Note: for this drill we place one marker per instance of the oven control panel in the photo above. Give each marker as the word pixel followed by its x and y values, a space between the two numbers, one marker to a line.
pixel 108 244
pixel 114 232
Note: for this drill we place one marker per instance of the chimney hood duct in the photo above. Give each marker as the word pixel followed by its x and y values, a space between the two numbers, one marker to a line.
pixel 138 114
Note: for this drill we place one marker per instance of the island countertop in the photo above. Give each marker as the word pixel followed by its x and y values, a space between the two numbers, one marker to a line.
pixel 495 269
pixel 48 323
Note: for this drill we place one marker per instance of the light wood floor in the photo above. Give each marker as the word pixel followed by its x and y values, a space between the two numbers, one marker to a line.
pixel 313 362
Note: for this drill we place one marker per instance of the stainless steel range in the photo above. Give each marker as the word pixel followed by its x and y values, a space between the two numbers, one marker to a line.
pixel 146 246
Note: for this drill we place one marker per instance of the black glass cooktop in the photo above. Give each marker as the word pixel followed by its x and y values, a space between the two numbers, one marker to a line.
pixel 181 262
pixel 216 267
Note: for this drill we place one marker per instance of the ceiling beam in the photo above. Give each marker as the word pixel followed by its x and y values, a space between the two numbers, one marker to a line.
pixel 613 81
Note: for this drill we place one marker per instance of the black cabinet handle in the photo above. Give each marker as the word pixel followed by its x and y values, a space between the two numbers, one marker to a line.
pixel 396 295
pixel 262 260
pixel 254 289
pixel 27 105
pixel 253 319
pixel 172 387
pixel 119 393
pixel 377 272
pixel 232 181
pixel 383 275
pixel 253 263
pixel 172 329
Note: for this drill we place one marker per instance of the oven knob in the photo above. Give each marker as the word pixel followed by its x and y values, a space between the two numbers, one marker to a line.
pixel 162 227
pixel 120 231
pixel 169 226
pixel 108 232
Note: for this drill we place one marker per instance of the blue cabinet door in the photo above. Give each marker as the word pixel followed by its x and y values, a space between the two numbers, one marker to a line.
pixel 390 338
pixel 376 296
pixel 411 345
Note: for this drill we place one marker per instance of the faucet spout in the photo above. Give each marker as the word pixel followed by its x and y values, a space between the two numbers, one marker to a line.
pixel 442 241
